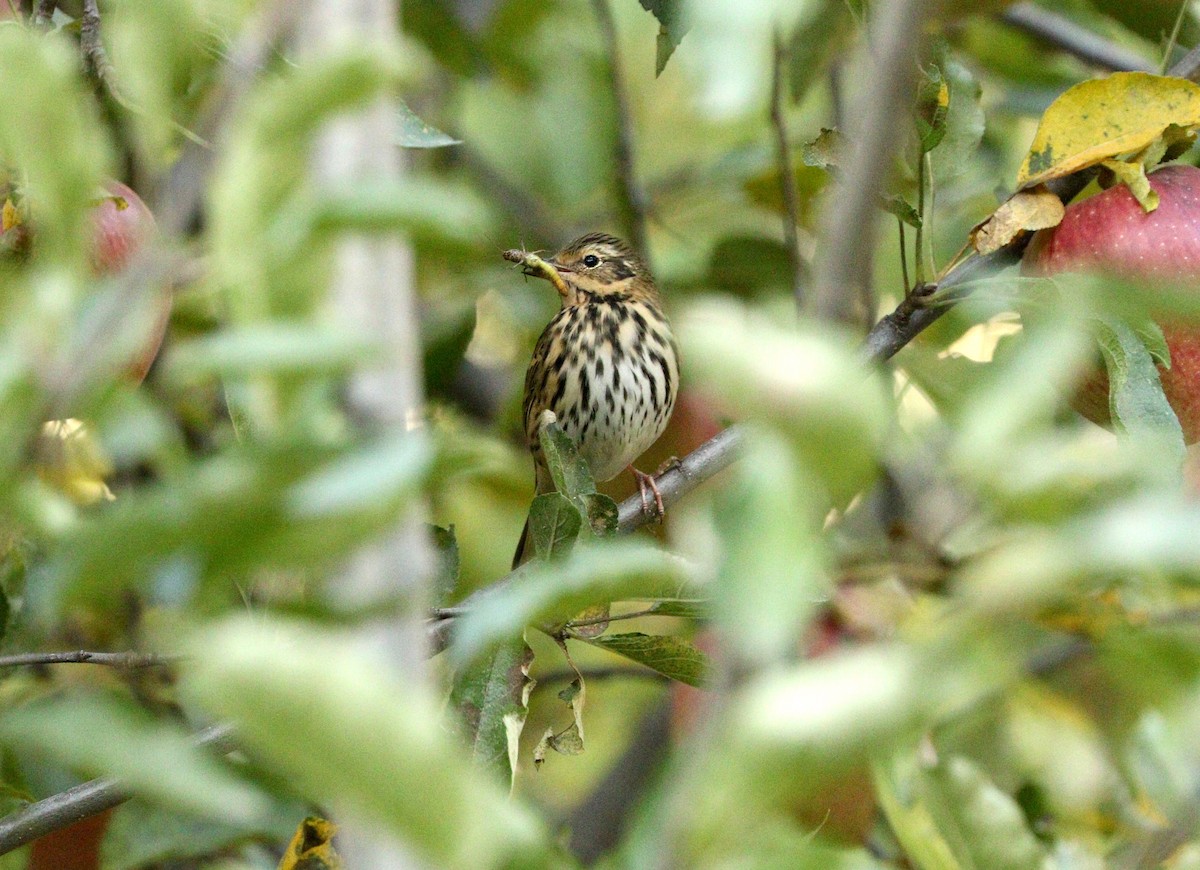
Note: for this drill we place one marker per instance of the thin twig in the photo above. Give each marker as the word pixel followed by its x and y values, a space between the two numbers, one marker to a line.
pixel 876 121
pixel 87 799
pixel 783 160
pixel 630 192
pixel 127 660
pixel 1063 33
pixel 95 58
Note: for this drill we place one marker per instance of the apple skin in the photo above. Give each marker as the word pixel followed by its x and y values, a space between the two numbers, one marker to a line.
pixel 121 224
pixel 1110 233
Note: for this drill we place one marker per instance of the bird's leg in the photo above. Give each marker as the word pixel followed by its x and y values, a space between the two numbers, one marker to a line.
pixel 647 485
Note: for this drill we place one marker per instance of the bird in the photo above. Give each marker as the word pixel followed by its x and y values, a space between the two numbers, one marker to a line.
pixel 606 364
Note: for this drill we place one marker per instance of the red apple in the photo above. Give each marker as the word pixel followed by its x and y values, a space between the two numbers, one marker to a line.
pixel 121 224
pixel 1111 233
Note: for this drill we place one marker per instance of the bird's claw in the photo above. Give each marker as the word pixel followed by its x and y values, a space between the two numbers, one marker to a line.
pixel 646 485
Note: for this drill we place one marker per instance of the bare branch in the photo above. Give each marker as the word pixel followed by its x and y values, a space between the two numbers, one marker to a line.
pixel 630 192
pixel 1063 33
pixel 127 660
pixel 783 160
pixel 876 130
pixel 86 799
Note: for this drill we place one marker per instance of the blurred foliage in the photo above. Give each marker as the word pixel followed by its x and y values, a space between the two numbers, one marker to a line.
pixel 929 619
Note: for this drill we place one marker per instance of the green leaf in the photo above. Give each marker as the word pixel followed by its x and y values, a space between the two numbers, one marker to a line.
pixel 989 826
pixel 906 808
pixel 550 593
pixel 492 700
pixel 602 514
pixel 669 656
pixel 378 475
pixel 157 759
pixel 900 207
pixel 431 210
pixel 1137 403
pixel 811 384
pixel 816 43
pixel 568 469
pixel 51 106
pixel 342 729
pixel 412 132
pixel 445 581
pixel 963 125
pixel 554 524
pixel 145 834
pixel 689 608
pixel 933 105
pixel 773 573
pixel 262 350
pixel 671 28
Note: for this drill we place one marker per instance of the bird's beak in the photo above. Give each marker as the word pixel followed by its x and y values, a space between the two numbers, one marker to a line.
pixel 559 266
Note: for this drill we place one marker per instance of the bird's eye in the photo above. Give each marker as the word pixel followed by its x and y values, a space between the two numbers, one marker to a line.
pixel 591 260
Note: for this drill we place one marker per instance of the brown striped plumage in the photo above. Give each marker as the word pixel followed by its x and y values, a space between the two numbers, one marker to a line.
pixel 606 363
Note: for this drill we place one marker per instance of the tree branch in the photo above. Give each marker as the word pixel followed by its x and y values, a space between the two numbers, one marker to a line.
pixel 783 160
pixel 912 316
pixel 127 660
pixel 86 799
pixel 1063 33
pixel 629 191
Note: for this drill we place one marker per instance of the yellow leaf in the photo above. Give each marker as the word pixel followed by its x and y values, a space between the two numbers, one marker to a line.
pixel 311 847
pixel 1104 118
pixel 70 459
pixel 9 216
pixel 1034 209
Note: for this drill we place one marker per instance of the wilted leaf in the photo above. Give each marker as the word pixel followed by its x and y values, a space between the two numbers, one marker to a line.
pixel 1102 118
pixel 311 847
pixel 670 656
pixel 492 700
pixel 569 741
pixel 1033 209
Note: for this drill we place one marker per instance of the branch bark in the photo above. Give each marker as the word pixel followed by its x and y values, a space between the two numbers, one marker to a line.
pixel 1063 33
pixel 84 800
pixel 128 660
